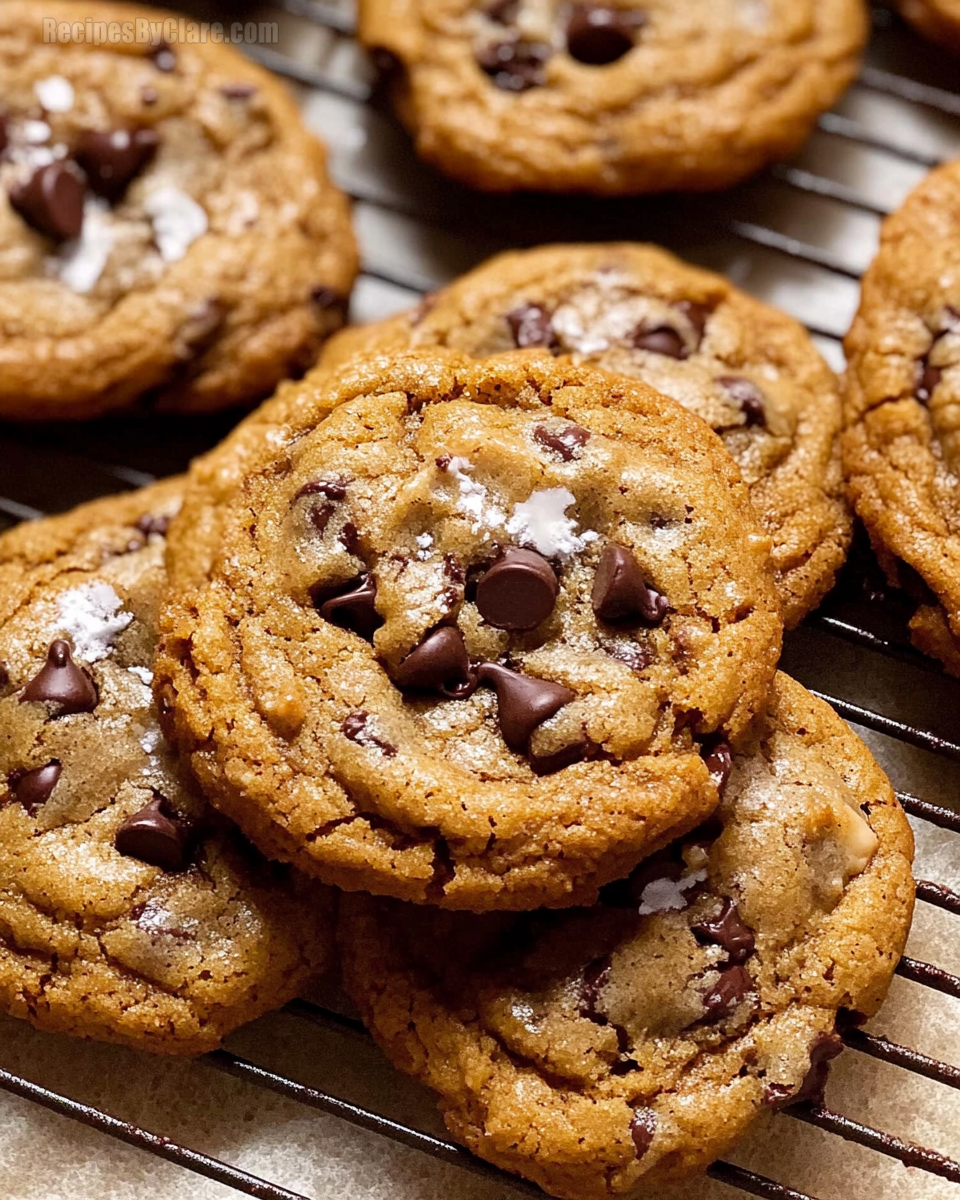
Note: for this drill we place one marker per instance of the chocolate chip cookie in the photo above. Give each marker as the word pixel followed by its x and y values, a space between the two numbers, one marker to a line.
pixel 610 1050
pixel 624 97
pixel 169 234
pixel 129 912
pixel 937 19
pixel 750 371
pixel 467 633
pixel 901 449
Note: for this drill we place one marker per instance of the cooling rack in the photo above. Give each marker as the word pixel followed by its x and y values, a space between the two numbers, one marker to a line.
pixel 799 236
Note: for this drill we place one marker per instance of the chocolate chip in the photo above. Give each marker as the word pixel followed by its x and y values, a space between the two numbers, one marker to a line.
pixel 929 380
pixel 631 654
pixel 523 703
pixel 515 65
pixel 333 489
pixel 825 1047
pixel 531 326
pixel 112 158
pixel 620 592
pixel 238 91
pixel 443 461
pixel 149 96
pixel 163 58
pixel 594 979
pixel 661 339
pixel 718 758
pixel 60 681
pixel 153 837
pixel 549 764
pixel 597 35
pixel 34 788
pixel 643 1127
pixel 349 538
pixel 729 990
pixel 356 729
pixel 148 524
pixel 4 675
pixel 566 442
pixel 748 396
pixel 519 591
pixel 696 314
pixel 51 201
pixel 353 607
pixel 439 663
pixel 728 931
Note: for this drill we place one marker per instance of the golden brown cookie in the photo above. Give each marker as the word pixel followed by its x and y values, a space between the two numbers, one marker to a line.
pixel 168 230
pixel 129 912
pixel 608 1051
pixel 937 19
pixel 626 97
pixel 458 631
pixel 750 371
pixel 901 449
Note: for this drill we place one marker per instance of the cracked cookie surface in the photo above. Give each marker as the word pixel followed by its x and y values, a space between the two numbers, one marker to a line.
pixel 458 631
pixel 750 371
pixel 901 447
pixel 129 912
pixel 168 232
pixel 639 96
pixel 609 1050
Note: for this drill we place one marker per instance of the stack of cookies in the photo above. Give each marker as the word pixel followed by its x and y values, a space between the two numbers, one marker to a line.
pixel 460 651
pixel 479 626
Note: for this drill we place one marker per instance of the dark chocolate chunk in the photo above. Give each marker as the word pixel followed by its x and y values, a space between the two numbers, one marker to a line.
pixel 349 538
pixel 519 591
pixel 631 654
pixel 332 489
pixel 112 158
pixel 549 764
pixel 34 788
pixel 718 758
pixel 661 339
pixel 567 442
pixel 149 523
pixel 597 35
pixel 153 837
pixel 515 65
pixel 60 681
pixel 748 396
pixel 729 990
pixel 825 1047
pixel 4 675
pixel 51 200
pixel 620 592
pixel 356 729
pixel 531 326
pixel 728 931
pixel 238 91
pixel 439 663
pixel 643 1127
pixel 163 57
pixel 353 607
pixel 929 380
pixel 523 703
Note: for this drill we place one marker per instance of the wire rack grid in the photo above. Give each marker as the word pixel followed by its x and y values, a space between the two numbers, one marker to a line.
pixel 800 236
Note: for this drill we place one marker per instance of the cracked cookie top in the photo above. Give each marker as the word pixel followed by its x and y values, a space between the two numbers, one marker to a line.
pixel 623 97
pixel 167 228
pixel 901 448
pixel 460 631
pixel 604 1050
pixel 129 912
pixel 750 371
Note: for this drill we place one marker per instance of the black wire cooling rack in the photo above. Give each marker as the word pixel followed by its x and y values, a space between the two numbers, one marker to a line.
pixel 799 236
